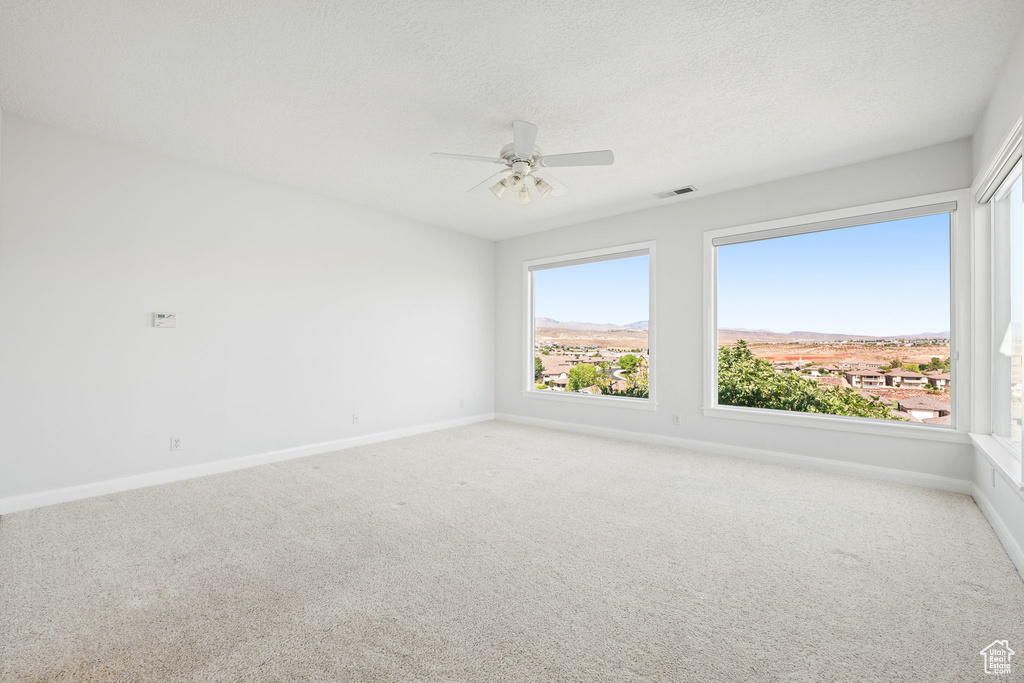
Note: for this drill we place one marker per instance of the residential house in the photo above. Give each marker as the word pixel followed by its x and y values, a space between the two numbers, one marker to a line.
pixel 548 375
pixel 904 378
pixel 865 378
pixel 925 408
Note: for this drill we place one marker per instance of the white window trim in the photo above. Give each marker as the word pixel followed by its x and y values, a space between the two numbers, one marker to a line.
pixel 1008 154
pixel 960 270
pixel 997 450
pixel 606 253
pixel 1001 189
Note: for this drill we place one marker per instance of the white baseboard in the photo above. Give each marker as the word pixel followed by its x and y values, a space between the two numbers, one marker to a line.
pixel 931 481
pixel 54 496
pixel 1013 548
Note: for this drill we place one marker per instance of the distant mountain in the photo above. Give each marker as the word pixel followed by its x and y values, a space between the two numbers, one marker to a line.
pixel 589 327
pixel 924 335
pixel 802 335
pixel 727 334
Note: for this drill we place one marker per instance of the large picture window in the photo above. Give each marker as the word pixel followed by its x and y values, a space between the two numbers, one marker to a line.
pixel 847 317
pixel 590 325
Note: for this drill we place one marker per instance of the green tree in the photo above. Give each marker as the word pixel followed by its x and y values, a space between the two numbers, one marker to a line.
pixel 936 364
pixel 638 384
pixel 538 368
pixel 629 363
pixel 583 375
pixel 745 380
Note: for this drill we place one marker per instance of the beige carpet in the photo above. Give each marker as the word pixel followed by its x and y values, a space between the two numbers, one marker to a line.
pixel 500 552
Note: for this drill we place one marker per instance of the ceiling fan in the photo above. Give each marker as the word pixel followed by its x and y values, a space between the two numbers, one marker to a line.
pixel 523 160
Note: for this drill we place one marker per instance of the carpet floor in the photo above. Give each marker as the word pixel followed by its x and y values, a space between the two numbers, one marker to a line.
pixel 500 552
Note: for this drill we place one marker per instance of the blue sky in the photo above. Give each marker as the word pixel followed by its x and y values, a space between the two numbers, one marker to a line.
pixel 879 280
pixel 605 292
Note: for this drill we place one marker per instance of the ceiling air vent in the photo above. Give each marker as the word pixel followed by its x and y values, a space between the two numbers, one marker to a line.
pixel 672 193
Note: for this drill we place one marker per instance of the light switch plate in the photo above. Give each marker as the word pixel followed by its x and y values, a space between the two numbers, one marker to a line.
pixel 165 320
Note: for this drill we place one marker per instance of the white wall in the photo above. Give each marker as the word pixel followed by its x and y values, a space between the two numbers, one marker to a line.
pixel 678 229
pixel 296 311
pixel 1004 108
pixel 1002 502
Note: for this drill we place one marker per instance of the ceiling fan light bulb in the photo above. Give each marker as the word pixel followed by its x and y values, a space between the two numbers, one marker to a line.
pixel 498 188
pixel 543 187
pixel 524 195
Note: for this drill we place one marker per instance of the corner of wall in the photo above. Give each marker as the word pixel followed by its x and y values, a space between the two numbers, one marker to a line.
pixel 1005 105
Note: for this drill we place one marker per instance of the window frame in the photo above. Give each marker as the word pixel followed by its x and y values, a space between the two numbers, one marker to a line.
pixel 959 243
pixel 578 258
pixel 996 450
pixel 1015 173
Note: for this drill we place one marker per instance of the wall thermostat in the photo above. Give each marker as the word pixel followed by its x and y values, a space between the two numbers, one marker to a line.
pixel 165 320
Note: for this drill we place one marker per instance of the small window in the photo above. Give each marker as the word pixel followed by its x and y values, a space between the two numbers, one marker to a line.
pixel 848 317
pixel 590 325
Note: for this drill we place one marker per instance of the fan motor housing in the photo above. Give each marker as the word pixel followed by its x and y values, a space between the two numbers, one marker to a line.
pixel 508 154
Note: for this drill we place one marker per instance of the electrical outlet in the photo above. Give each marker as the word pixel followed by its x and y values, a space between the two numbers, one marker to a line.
pixel 462 404
pixel 676 420
pixel 355 419
pixel 175 443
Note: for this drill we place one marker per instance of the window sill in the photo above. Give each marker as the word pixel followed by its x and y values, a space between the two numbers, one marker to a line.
pixel 839 423
pixel 588 399
pixel 1004 460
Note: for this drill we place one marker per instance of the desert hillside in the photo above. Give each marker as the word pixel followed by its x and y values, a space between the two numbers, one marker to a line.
pixel 619 338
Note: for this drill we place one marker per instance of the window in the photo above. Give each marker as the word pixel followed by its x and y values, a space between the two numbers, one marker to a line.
pixel 999 274
pixel 847 317
pixel 590 326
pixel 1007 205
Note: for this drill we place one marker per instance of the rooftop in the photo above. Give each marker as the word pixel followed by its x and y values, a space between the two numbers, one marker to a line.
pixel 923 403
pixel 900 372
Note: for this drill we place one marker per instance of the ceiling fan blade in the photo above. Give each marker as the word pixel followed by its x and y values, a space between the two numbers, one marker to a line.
pixel 524 136
pixel 467 157
pixel 490 180
pixel 558 187
pixel 599 158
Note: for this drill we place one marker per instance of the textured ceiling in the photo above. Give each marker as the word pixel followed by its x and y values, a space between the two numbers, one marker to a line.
pixel 349 98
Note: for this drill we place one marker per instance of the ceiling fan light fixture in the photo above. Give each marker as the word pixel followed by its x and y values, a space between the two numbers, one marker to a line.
pixel 522 158
pixel 543 187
